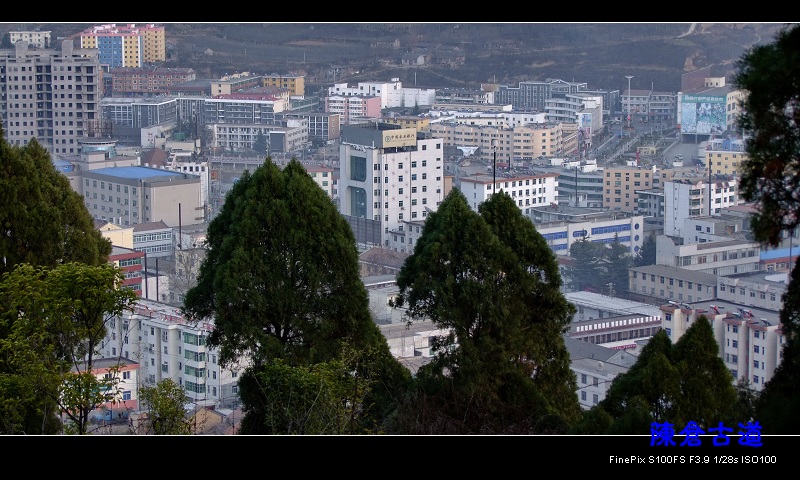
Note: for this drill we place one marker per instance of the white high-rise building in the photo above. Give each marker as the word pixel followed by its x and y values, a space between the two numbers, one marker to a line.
pixel 690 198
pixel 388 175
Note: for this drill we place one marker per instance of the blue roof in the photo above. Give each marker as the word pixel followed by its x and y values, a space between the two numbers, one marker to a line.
pixel 779 253
pixel 136 172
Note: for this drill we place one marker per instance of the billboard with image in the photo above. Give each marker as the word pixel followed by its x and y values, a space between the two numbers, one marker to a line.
pixel 703 114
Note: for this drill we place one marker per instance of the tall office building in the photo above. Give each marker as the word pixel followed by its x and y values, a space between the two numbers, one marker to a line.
pixel 388 175
pixel 50 95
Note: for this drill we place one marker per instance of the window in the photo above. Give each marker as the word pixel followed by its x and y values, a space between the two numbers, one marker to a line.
pixel 595 398
pixel 594 381
pixel 583 378
pixel 126 395
pixel 126 375
pixel 583 395
pixel 755 378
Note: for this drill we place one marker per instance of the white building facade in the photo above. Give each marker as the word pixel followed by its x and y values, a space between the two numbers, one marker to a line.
pixel 167 346
pixel 526 190
pixel 389 175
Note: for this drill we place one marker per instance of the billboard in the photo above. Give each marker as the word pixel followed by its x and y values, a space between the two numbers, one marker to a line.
pixel 703 114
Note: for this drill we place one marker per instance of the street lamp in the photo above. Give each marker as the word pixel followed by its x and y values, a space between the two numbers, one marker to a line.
pixel 629 100
pixel 494 164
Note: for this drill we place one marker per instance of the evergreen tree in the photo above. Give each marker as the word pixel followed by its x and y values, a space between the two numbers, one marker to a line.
pixel 43 220
pixel 769 115
pixel 708 395
pixel 646 254
pixel 590 268
pixel 281 281
pixel 489 279
pixel 619 261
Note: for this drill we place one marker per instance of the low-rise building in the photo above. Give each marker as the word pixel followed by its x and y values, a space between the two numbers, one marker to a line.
pixel 672 283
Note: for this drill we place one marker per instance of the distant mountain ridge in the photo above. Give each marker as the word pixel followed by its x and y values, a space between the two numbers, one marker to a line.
pixel 601 54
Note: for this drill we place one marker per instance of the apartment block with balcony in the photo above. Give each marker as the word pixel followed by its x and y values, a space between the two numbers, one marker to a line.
pixel 692 197
pixel 354 109
pixel 128 45
pixel 167 346
pixel 750 340
pixel 51 95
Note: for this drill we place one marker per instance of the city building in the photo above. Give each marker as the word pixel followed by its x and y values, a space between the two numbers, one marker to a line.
pixel 391 94
pixel 167 346
pixel 725 156
pixel 295 84
pixel 353 109
pixel 323 176
pixel 130 262
pixel 595 368
pixel 722 257
pixel 750 340
pixel 35 38
pixel 50 95
pixel 131 195
pixel 709 110
pixel 536 189
pixel 763 290
pixel 125 399
pixel 388 175
pixel 622 182
pixel 129 45
pixel 156 239
pixel 672 283
pixel 692 197
pixel 602 227
pixel 144 81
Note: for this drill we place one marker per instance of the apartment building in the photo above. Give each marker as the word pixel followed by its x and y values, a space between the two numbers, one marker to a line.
pixel 580 183
pixel 512 144
pixel 166 345
pixel 323 176
pixel 762 290
pixel 35 38
pixel 247 109
pixel 600 228
pixel 725 156
pixel 126 397
pixel 722 257
pixel 294 84
pixel 144 81
pixel 353 109
pixel 129 45
pixel 391 94
pixel 132 195
pixel 595 368
pixel 692 197
pixel 750 340
pixel 672 283
pixel 51 95
pixel 322 126
pixel 533 95
pixel 536 189
pixel 406 181
pixel 130 262
pixel 621 184
pixel 234 83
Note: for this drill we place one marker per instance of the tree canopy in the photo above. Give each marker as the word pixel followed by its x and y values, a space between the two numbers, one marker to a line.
pixel 281 281
pixel 489 279
pixel 770 117
pixel 43 220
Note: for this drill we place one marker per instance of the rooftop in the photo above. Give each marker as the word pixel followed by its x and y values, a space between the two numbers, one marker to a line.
pixel 137 172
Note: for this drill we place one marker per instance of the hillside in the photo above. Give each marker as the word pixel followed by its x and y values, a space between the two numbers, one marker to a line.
pixel 601 54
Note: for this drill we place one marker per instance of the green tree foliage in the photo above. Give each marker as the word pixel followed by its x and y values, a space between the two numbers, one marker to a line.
pixel 260 144
pixel 771 177
pixel 321 399
pixel 619 261
pixel 490 279
pixel 281 281
pixel 165 403
pixel 646 254
pixel 687 381
pixel 51 324
pixel 43 221
pixel 590 268
pixel 771 117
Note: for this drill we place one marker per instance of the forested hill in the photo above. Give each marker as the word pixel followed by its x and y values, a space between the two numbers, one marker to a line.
pixel 601 54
